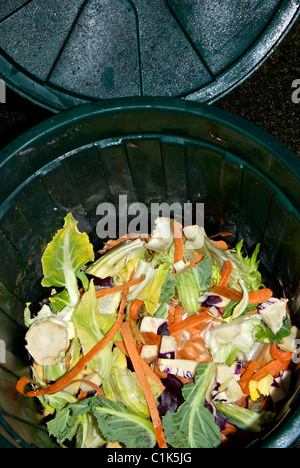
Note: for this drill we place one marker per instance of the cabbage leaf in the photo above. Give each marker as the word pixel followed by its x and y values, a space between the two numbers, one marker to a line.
pixel 65 256
pixel 193 425
pixel 152 291
pixel 234 340
pixel 115 423
pixel 114 260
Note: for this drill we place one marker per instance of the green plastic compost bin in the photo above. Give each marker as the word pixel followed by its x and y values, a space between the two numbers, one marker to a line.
pixel 152 150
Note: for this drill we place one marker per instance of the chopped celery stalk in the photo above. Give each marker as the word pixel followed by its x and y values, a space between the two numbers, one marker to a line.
pixel 188 290
pixel 244 418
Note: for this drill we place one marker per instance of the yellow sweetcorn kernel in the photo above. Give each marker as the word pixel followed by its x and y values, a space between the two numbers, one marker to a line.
pixel 261 387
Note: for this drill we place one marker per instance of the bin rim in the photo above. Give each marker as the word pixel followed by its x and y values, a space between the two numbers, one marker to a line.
pixel 219 116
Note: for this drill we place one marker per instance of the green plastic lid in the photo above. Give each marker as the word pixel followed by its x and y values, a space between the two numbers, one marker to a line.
pixel 62 53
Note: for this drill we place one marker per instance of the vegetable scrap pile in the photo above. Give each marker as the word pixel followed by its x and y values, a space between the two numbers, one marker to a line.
pixel 167 340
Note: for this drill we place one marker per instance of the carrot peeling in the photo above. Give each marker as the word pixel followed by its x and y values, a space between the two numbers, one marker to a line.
pixel 198 257
pixel 91 384
pixel 178 242
pixel 221 244
pixel 142 377
pixel 221 234
pixel 226 271
pixel 247 376
pixel 134 309
pixel 114 243
pixel 280 355
pixel 190 322
pixel 273 368
pixel 148 371
pixel 106 291
pixel 255 297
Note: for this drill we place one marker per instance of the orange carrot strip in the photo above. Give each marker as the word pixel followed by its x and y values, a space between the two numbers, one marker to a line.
pixel 198 257
pixel 280 355
pixel 68 362
pixel 255 297
pixel 120 240
pixel 184 380
pixel 151 338
pixel 121 346
pixel 106 291
pixel 190 322
pixel 179 312
pixel 222 244
pixel 171 315
pixel 226 271
pixel 227 292
pixel 230 429
pixel 65 381
pixel 135 308
pixel 246 377
pixel 242 402
pixel 151 374
pixel 82 395
pixel 178 242
pixel 221 234
pixel 142 377
pixel 272 368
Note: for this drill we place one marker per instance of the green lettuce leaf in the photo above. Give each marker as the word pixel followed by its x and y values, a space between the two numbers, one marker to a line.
pixel 152 291
pixel 115 423
pixel 193 426
pixel 89 327
pixel 244 267
pixel 65 256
